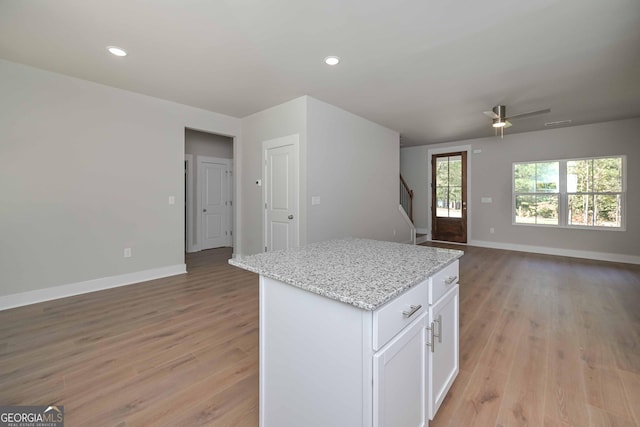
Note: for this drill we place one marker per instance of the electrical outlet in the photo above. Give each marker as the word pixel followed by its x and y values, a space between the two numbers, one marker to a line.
pixel 172 200
pixel 127 252
pixel 492 230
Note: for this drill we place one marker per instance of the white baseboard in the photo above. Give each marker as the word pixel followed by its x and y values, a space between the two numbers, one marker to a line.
pixel 573 253
pixel 422 230
pixel 412 228
pixel 192 249
pixel 422 239
pixel 63 291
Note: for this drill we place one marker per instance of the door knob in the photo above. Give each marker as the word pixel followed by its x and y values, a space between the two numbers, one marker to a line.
pixel 204 210
pixel 290 216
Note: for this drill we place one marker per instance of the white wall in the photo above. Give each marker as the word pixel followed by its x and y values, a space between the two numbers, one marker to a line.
pixel 85 171
pixel 491 171
pixel 353 164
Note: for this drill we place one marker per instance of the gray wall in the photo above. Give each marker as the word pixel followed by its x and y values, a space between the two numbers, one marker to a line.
pixel 491 177
pixel 353 165
pixel 413 166
pixel 207 144
pixel 350 162
pixel 282 120
pixel 85 171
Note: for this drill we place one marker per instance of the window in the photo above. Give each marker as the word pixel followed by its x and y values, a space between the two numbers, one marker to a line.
pixel 571 193
pixel 594 191
pixel 449 186
pixel 536 192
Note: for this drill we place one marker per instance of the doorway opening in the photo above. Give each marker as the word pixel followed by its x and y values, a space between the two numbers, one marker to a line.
pixel 209 187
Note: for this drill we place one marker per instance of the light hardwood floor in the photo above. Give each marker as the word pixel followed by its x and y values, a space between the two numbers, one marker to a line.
pixel 544 341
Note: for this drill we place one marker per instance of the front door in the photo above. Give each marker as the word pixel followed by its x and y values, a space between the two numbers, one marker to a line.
pixel 214 204
pixel 449 197
pixel 281 176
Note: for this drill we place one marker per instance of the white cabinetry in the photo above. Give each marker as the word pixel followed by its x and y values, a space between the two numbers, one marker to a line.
pixel 443 351
pixel 327 363
pixel 443 327
pixel 399 379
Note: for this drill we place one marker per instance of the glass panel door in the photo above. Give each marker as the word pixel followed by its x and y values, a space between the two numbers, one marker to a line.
pixel 449 203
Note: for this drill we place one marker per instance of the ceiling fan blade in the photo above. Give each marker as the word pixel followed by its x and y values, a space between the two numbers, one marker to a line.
pixel 490 114
pixel 532 113
pixel 507 124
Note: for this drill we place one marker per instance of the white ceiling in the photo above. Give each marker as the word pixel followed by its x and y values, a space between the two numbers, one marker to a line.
pixel 425 68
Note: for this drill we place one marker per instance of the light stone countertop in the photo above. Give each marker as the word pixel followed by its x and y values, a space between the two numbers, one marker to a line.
pixel 361 272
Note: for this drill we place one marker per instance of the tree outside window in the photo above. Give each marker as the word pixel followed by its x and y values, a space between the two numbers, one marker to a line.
pixel 594 190
pixel 536 193
pixel 573 193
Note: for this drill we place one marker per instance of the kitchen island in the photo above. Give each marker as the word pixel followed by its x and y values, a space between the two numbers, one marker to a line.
pixel 356 332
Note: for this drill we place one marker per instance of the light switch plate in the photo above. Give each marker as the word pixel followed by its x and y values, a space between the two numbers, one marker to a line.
pixel 172 200
pixel 486 200
pixel 315 200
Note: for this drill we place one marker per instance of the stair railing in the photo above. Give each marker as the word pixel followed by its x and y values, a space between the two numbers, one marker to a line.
pixel 406 198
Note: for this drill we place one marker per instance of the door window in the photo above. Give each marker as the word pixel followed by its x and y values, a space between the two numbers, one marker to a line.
pixel 449 187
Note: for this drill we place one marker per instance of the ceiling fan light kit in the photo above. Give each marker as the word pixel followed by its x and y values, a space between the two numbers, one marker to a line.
pixel 500 120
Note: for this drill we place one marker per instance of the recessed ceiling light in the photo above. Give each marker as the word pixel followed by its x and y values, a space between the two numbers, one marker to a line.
pixel 332 60
pixel 117 51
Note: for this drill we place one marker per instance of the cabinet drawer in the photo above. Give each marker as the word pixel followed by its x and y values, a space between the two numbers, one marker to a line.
pixel 392 317
pixel 442 281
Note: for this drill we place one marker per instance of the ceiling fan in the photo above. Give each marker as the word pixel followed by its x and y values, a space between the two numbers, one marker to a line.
pixel 500 119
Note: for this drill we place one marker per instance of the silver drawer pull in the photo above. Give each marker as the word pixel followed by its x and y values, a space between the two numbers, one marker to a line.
pixel 449 280
pixel 413 310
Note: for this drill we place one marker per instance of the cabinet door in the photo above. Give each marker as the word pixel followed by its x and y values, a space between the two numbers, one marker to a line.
pixel 443 351
pixel 399 379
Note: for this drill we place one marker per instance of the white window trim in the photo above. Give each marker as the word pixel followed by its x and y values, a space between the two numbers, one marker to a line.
pixel 563 198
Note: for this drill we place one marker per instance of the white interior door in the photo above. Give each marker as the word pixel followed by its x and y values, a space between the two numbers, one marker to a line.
pixel 281 186
pixel 214 203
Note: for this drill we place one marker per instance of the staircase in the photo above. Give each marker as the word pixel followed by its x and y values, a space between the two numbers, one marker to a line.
pixel 406 206
pixel 406 198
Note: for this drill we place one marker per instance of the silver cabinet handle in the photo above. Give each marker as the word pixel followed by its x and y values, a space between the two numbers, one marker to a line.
pixel 290 217
pixel 432 344
pixel 449 280
pixel 413 310
pixel 439 321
